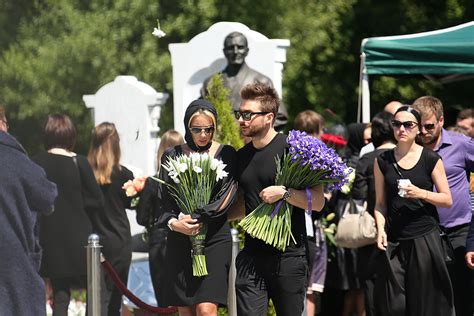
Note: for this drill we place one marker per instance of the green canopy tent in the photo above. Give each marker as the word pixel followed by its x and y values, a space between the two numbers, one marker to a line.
pixel 447 52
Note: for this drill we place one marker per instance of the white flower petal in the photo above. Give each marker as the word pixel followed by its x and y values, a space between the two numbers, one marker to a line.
pixel 158 33
pixel 182 167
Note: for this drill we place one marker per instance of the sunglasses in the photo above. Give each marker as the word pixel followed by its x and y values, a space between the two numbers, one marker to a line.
pixel 406 125
pixel 199 130
pixel 247 116
pixel 429 127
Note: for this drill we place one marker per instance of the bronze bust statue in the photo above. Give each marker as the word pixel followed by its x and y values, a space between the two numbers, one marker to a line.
pixel 237 74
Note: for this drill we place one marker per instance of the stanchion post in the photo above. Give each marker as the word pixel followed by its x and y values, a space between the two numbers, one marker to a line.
pixel 231 299
pixel 93 276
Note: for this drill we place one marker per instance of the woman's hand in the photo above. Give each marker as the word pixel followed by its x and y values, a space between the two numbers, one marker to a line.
pixel 186 225
pixel 382 240
pixel 414 192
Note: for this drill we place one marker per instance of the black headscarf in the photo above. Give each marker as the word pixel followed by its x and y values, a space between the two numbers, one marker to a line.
pixel 356 138
pixel 196 105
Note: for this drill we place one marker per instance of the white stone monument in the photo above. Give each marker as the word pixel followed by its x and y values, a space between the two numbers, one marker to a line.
pixel 134 107
pixel 202 56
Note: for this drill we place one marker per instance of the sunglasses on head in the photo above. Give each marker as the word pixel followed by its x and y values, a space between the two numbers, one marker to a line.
pixel 406 124
pixel 247 116
pixel 199 130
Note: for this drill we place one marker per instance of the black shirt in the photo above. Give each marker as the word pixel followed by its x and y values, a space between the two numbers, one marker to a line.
pixel 364 183
pixel 256 170
pixel 408 218
pixel 112 223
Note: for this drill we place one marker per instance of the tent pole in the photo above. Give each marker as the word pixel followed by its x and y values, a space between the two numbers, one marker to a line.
pixel 363 106
pixel 365 97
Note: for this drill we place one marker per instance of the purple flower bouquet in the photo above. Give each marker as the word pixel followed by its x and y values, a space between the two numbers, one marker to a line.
pixel 309 162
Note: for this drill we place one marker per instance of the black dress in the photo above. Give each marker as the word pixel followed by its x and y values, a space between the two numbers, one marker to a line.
pixel 182 288
pixel 65 232
pixel 412 278
pixel 113 228
pixel 364 190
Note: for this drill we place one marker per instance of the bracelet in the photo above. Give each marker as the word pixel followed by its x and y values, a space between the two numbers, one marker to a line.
pixel 310 200
pixel 171 220
pixel 426 194
pixel 286 195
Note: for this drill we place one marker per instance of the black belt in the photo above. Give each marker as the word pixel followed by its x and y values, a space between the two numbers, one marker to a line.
pixel 448 230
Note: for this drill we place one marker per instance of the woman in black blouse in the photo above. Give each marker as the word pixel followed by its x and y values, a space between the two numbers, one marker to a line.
pixel 111 223
pixel 64 233
pixel 413 279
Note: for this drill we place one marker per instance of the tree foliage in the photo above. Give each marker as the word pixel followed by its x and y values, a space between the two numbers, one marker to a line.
pixel 55 51
pixel 227 129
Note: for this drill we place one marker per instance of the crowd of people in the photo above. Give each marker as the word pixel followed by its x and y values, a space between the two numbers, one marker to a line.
pixel 411 174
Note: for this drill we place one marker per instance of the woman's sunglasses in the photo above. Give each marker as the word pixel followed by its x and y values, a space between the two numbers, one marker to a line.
pixel 247 116
pixel 199 130
pixel 406 125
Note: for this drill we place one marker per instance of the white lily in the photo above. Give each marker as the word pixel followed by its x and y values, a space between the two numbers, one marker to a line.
pixel 221 174
pixel 215 163
pixel 157 32
pixel 182 167
pixel 197 169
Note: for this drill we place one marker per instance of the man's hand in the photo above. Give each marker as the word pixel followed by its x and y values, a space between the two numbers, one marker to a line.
pixel 470 259
pixel 272 193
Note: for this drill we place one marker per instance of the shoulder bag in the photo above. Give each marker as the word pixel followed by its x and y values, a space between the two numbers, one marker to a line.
pixel 356 228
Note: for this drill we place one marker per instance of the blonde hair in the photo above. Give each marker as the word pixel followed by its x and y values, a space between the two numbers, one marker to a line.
pixel 204 112
pixel 104 153
pixel 169 139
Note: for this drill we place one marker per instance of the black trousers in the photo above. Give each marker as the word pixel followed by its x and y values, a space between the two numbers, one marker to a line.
pixel 262 277
pixel 462 277
pixel 413 279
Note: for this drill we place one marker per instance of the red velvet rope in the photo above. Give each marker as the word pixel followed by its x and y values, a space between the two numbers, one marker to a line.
pixel 119 284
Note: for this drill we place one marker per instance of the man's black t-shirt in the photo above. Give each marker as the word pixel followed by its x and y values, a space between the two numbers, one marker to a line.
pixel 257 169
pixel 408 218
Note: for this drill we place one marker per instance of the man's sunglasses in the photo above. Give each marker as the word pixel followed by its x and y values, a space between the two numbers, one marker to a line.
pixel 247 116
pixel 429 127
pixel 199 130
pixel 406 125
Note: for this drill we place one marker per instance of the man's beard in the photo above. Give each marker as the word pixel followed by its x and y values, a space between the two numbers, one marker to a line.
pixel 254 131
pixel 432 138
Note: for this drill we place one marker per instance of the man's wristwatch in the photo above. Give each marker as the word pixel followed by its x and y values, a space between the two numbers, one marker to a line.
pixel 171 220
pixel 286 195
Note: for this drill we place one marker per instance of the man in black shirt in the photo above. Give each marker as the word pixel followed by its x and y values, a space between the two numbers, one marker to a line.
pixel 263 272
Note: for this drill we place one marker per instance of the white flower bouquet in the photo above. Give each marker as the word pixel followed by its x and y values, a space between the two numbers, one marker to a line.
pixel 194 182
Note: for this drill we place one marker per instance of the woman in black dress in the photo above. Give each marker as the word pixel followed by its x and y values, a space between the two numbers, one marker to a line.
pixel 413 279
pixel 111 223
pixel 64 233
pixel 150 205
pixel 198 295
pixel 363 191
